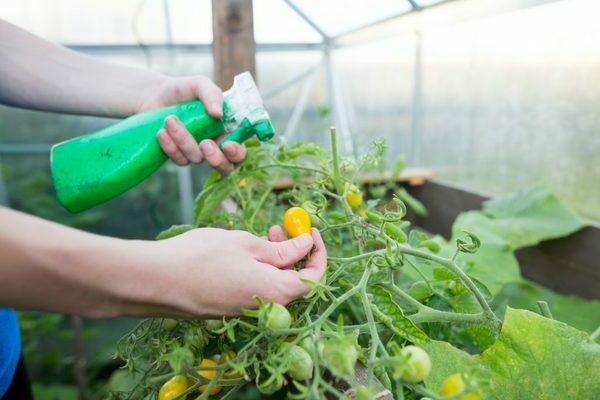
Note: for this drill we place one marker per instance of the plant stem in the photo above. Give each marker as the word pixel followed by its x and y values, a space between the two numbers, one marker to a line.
pixel 544 309
pixel 258 207
pixel 293 166
pixel 595 334
pixel 337 180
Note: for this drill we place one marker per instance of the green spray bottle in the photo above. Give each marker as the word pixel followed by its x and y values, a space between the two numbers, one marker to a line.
pixel 92 169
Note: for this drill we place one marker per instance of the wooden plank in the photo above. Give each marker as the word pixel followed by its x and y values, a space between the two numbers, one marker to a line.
pixel 233 40
pixel 567 265
pixel 412 176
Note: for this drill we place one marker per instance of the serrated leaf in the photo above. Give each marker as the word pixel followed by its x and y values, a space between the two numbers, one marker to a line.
pixel 209 200
pixel 396 320
pixel 174 231
pixel 534 358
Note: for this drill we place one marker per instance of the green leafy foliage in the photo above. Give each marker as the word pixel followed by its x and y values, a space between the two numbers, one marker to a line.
pixel 387 285
pixel 534 358
pixel 507 224
pixel 580 313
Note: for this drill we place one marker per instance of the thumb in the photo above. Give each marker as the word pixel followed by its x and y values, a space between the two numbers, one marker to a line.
pixel 283 254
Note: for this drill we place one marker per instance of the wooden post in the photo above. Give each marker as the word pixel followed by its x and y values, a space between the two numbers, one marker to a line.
pixel 233 40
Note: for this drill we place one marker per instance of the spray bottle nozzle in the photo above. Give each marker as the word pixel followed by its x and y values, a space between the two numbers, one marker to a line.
pixel 243 112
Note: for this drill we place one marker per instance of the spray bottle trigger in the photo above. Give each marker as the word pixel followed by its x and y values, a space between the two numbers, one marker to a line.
pixel 262 129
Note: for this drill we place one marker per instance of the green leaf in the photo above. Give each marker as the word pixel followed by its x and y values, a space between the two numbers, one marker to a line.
pixel 580 313
pixel 494 264
pixel 530 216
pixel 391 315
pixel 508 223
pixel 534 358
pixel 174 231
pixel 210 199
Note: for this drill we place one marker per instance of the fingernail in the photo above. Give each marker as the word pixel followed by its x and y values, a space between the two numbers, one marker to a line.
pixel 302 241
pixel 170 122
pixel 208 147
pixel 216 106
pixel 231 146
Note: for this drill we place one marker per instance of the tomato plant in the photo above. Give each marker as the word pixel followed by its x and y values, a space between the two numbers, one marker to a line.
pixel 389 292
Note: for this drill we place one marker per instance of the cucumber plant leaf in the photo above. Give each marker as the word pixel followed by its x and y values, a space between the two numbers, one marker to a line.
pixel 534 358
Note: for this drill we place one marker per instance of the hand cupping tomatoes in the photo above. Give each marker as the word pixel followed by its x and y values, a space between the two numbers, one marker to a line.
pixel 296 221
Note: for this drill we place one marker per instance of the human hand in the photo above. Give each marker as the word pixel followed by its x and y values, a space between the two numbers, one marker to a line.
pixel 219 272
pixel 176 141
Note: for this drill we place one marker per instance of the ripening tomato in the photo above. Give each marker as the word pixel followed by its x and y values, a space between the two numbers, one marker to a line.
pixel 418 365
pixel 208 374
pixel 353 196
pixel 277 317
pixel 296 221
pixel 340 355
pixel 230 373
pixel 453 385
pixel 300 363
pixel 173 388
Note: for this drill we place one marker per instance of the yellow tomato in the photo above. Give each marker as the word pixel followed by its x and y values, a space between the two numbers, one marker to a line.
pixel 173 388
pixel 231 373
pixel 296 221
pixel 208 374
pixel 452 385
pixel 353 196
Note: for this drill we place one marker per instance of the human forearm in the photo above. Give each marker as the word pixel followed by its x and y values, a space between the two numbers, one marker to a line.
pixel 49 267
pixel 40 75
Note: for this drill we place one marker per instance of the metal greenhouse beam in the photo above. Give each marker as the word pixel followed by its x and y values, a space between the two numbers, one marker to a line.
pixel 307 19
pixel 445 13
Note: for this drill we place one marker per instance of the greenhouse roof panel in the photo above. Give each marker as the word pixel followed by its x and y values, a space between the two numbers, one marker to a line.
pixel 338 16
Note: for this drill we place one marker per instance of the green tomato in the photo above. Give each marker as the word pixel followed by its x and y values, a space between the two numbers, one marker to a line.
pixel 311 209
pixel 169 324
pixel 420 291
pixel 270 385
pixel 364 393
pixel 417 366
pixel 300 363
pixel 340 355
pixel 276 317
pixel 213 325
pixel 374 216
pixel 395 232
